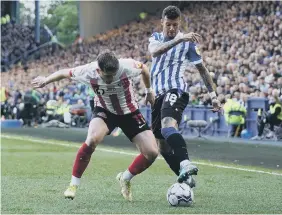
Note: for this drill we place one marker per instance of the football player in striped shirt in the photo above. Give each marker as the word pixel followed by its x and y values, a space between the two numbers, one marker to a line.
pixel 115 106
pixel 171 51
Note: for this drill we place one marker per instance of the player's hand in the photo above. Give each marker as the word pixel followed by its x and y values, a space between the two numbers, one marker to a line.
pixel 216 105
pixel 192 37
pixel 150 98
pixel 39 82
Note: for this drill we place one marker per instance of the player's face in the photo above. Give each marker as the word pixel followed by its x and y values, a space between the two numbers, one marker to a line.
pixel 108 78
pixel 170 27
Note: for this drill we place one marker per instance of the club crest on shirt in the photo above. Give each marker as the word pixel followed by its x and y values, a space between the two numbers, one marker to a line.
pixel 138 65
pixel 197 50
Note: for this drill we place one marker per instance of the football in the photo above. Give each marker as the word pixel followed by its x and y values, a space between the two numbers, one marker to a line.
pixel 180 194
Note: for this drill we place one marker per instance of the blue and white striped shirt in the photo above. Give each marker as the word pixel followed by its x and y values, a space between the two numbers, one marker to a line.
pixel 167 70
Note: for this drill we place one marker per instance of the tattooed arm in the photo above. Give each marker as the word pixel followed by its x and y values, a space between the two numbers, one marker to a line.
pixel 209 84
pixel 157 48
pixel 206 77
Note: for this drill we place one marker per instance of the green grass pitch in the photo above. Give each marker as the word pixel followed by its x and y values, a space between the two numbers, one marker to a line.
pixel 34 177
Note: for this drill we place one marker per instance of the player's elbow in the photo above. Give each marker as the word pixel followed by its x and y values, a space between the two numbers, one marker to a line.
pixel 65 73
pixel 152 51
pixel 154 54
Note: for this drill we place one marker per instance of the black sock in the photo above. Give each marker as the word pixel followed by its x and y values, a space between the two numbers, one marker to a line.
pixel 178 144
pixel 172 161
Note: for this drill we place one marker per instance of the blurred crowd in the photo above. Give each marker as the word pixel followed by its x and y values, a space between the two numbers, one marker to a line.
pixel 16 40
pixel 241 47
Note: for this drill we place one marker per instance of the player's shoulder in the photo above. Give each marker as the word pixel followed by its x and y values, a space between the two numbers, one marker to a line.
pixel 194 47
pixel 130 63
pixel 126 62
pixel 156 36
pixel 87 70
pixel 93 64
pixel 90 65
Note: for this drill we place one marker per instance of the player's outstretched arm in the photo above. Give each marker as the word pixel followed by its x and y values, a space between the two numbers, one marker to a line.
pixel 150 97
pixel 209 84
pixel 42 81
pixel 156 48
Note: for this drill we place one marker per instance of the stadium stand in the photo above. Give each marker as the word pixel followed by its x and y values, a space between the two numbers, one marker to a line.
pixel 241 47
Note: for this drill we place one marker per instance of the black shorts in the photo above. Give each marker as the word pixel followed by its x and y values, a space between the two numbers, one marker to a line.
pixel 131 124
pixel 170 104
pixel 91 102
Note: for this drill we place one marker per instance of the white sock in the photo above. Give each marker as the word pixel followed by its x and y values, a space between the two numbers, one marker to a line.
pixel 127 176
pixel 75 180
pixel 184 163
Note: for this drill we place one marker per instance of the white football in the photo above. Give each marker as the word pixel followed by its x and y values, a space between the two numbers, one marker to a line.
pixel 180 194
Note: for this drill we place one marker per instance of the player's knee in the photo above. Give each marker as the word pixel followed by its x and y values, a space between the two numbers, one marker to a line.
pixel 93 140
pixel 167 122
pixel 152 154
pixel 166 132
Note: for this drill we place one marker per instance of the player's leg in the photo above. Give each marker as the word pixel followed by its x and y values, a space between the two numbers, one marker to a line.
pixel 169 156
pixel 137 130
pixel 173 106
pixel 97 130
pixel 178 145
pixel 165 150
pixel 147 145
pixel 173 160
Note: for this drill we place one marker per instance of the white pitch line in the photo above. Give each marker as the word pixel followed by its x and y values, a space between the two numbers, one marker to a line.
pixel 134 154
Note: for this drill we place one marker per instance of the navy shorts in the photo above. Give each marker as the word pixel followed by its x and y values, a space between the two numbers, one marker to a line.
pixel 170 104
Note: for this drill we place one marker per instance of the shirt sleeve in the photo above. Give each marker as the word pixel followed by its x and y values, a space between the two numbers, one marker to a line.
pixel 80 73
pixel 153 42
pixel 133 67
pixel 193 54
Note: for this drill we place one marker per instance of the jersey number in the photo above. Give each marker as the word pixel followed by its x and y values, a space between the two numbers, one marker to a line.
pixel 171 98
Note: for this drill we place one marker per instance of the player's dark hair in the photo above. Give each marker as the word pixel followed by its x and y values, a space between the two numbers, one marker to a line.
pixel 171 12
pixel 108 62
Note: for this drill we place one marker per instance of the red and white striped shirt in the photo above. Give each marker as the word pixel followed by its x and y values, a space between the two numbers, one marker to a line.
pixel 117 97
